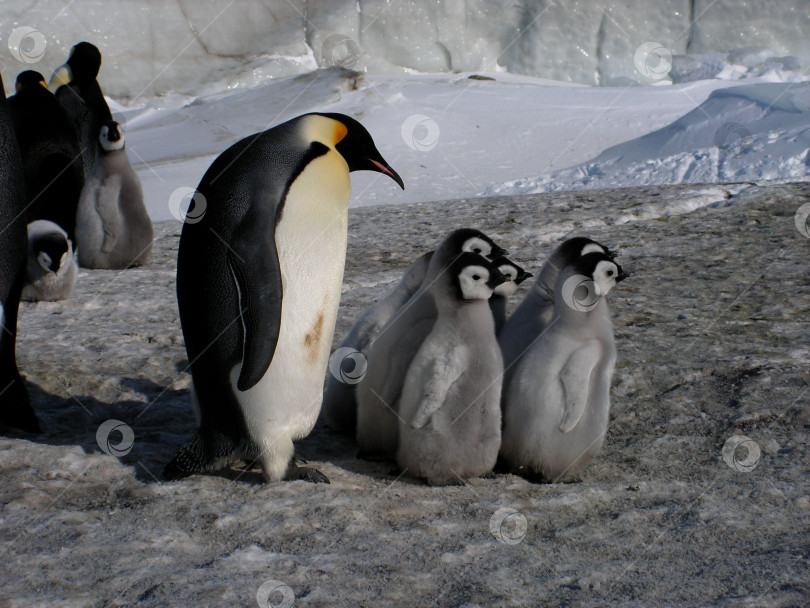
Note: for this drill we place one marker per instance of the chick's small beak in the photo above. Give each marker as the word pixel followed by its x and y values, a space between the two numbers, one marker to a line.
pixel 384 168
pixel 495 279
pixel 622 275
pixel 523 276
pixel 498 252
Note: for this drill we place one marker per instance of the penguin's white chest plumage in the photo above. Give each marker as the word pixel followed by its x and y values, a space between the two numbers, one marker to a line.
pixel 311 244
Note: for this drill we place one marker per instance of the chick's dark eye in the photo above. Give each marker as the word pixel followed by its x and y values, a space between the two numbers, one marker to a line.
pixel 477 250
pixel 476 277
pixel 610 273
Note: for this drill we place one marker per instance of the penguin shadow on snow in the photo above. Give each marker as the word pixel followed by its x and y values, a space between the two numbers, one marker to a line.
pixel 159 419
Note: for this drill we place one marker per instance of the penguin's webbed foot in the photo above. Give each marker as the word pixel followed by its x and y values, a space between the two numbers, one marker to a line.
pixel 310 474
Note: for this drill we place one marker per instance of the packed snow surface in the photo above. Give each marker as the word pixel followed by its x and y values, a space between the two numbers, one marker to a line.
pixel 701 496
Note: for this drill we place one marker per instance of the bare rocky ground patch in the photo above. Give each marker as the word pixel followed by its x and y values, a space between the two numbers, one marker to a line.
pixel 713 339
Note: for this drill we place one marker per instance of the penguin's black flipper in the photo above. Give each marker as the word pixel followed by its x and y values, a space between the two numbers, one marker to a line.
pixel 255 266
pixel 198 455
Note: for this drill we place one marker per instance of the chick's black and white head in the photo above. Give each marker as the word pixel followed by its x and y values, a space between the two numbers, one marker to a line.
pixel 475 277
pixel 581 246
pixel 588 279
pixel 470 240
pixel 514 274
pixel 49 249
pixel 359 151
pixel 111 137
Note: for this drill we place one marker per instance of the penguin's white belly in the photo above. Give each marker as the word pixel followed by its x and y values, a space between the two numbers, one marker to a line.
pixel 311 245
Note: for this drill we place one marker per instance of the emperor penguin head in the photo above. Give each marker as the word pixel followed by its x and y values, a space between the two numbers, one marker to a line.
pixel 514 274
pixel 594 273
pixel 475 277
pixel 355 145
pixel 111 137
pixel 28 79
pixel 82 66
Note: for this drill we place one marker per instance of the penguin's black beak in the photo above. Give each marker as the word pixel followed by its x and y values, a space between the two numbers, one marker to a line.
pixel 496 278
pixel 622 275
pixel 384 168
pixel 498 252
pixel 523 276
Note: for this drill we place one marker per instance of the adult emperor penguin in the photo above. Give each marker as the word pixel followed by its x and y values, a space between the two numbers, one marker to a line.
pixel 51 269
pixel 515 275
pixel 259 275
pixel 52 162
pixel 79 93
pixel 396 345
pixel 450 409
pixel 556 403
pixel 339 409
pixel 536 310
pixel 113 229
pixel 15 408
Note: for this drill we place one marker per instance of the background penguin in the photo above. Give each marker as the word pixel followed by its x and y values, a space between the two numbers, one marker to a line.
pixel 113 229
pixel 15 408
pixel 556 403
pixel 536 310
pixel 52 161
pixel 450 426
pixel 79 93
pixel 396 345
pixel 515 275
pixel 339 409
pixel 258 285
pixel 51 269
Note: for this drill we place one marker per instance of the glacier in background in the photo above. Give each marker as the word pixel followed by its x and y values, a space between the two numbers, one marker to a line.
pixel 198 48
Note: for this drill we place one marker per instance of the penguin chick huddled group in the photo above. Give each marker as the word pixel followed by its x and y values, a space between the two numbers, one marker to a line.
pixel 430 397
pixel 445 388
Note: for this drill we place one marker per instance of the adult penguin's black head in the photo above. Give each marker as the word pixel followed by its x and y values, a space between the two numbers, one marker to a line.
pixel 358 149
pixel 28 79
pixel 84 62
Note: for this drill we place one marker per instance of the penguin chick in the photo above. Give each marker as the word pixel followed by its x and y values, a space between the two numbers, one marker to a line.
pixel 556 403
pixel 450 425
pixel 515 275
pixel 339 410
pixel 113 229
pixel 51 269
pixel 535 312
pixel 395 346
pixel 259 276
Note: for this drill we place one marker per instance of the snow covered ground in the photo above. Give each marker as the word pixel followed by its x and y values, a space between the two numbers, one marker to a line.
pixel 712 333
